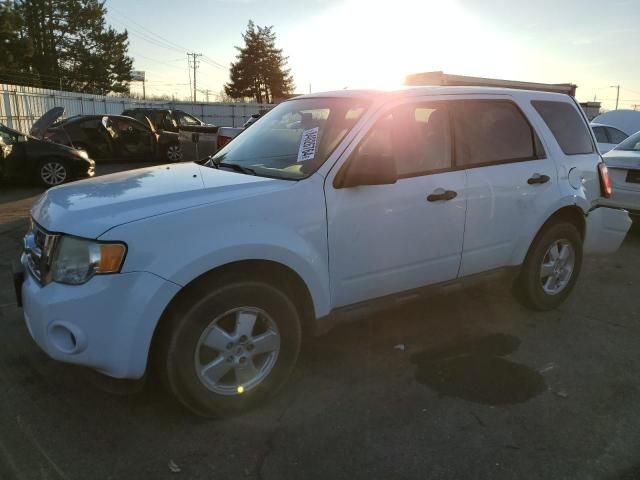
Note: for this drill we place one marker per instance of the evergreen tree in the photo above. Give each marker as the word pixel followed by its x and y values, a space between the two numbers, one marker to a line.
pixel 260 71
pixel 66 44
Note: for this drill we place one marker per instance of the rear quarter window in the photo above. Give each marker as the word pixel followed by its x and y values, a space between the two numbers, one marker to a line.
pixel 567 126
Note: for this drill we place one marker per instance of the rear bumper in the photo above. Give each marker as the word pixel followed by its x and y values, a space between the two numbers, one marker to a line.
pixel 606 229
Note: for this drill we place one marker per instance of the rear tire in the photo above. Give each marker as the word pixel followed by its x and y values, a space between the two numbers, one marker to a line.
pixel 225 350
pixel 173 153
pixel 551 268
pixel 52 172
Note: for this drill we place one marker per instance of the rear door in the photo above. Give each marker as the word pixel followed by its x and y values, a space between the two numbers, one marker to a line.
pixel 134 140
pixel 510 180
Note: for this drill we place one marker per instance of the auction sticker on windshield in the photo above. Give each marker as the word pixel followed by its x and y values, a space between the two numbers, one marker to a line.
pixel 308 144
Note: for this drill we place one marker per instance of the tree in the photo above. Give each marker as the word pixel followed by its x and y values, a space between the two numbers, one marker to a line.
pixel 15 49
pixel 69 46
pixel 260 71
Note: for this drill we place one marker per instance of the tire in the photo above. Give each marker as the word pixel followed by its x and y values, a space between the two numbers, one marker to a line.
pixel 551 268
pixel 173 153
pixel 52 172
pixel 202 346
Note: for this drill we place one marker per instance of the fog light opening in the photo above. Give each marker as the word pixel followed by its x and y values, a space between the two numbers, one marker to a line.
pixel 64 339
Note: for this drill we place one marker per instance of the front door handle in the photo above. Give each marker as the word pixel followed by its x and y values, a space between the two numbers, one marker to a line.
pixel 440 194
pixel 538 179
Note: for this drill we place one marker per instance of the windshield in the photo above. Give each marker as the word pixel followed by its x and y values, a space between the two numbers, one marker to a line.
pixel 294 139
pixel 630 144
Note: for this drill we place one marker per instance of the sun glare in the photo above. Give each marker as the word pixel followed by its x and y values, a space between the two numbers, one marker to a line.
pixel 371 44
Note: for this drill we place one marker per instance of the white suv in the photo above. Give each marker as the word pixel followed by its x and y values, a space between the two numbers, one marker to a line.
pixel 331 203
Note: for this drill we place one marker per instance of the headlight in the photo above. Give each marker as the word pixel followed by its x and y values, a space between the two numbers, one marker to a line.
pixel 77 260
pixel 83 154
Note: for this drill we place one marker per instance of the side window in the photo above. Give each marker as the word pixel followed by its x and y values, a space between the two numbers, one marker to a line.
pixel 186 120
pixel 567 126
pixel 491 131
pixel 416 137
pixel 601 135
pixel 616 136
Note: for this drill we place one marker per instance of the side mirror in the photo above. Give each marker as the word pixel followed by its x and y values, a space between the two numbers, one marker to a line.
pixel 367 169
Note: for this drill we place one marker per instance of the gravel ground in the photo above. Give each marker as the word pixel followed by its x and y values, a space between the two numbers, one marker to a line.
pixel 467 385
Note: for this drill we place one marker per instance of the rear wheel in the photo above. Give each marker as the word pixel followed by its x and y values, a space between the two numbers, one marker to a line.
pixel 52 172
pixel 173 153
pixel 551 268
pixel 231 348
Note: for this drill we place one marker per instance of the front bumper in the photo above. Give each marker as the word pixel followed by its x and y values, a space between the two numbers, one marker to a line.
pixel 106 324
pixel 606 229
pixel 83 169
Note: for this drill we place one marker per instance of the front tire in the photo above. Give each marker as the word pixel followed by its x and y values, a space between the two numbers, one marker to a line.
pixel 52 172
pixel 551 268
pixel 230 348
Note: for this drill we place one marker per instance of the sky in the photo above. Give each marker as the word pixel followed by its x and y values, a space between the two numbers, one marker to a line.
pixel 333 44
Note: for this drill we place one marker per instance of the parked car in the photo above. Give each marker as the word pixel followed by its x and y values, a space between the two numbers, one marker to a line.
pixel 607 136
pixel 30 158
pixel 175 121
pixel 171 120
pixel 623 162
pixel 330 206
pixel 226 134
pixel 113 137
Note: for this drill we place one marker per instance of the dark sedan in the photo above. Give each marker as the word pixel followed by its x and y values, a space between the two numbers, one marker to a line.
pixel 115 138
pixel 25 157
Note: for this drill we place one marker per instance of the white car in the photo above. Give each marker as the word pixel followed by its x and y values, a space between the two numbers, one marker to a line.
pixel 331 205
pixel 607 136
pixel 624 170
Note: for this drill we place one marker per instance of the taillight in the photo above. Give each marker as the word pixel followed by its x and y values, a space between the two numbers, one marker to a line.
pixel 605 181
pixel 223 140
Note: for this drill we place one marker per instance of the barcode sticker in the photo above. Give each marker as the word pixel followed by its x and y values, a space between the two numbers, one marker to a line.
pixel 308 144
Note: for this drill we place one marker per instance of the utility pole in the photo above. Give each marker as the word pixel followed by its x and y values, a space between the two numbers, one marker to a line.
pixel 195 67
pixel 617 87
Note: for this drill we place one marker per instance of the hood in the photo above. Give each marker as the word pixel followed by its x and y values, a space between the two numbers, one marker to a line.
pixel 622 159
pixel 45 121
pixel 89 208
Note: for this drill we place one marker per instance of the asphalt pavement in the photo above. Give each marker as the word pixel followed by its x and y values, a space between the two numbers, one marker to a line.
pixel 468 385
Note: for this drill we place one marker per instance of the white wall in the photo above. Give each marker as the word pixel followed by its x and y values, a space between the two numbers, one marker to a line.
pixel 21 106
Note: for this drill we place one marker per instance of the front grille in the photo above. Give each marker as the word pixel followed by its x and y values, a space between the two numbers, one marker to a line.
pixel 38 250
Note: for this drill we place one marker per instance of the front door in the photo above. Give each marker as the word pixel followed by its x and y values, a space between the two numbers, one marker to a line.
pixel 385 239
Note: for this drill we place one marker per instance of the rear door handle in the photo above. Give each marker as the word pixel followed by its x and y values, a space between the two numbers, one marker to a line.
pixel 440 194
pixel 537 178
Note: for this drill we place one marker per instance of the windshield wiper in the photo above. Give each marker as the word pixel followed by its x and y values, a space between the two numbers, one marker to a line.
pixel 236 167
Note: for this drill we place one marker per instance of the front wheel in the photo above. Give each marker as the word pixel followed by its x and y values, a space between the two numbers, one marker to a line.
pixel 551 268
pixel 230 349
pixel 52 172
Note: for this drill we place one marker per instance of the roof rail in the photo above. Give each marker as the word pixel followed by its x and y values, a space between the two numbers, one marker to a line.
pixel 445 79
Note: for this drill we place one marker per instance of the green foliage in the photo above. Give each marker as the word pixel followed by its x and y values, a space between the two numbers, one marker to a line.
pixel 260 71
pixel 63 44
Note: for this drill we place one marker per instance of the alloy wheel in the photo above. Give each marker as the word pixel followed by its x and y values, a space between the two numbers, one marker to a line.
pixel 237 351
pixel 557 267
pixel 53 173
pixel 174 153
